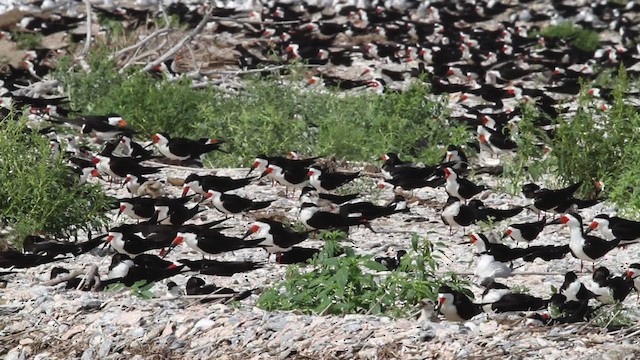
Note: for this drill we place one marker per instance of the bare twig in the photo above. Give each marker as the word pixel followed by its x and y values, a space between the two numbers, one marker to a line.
pixel 140 43
pixel 87 42
pixel 182 42
pixel 251 71
pixel 62 279
pixel 88 276
pixel 197 297
pixel 253 22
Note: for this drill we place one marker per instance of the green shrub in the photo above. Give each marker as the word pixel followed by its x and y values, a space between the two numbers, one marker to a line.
pixel 147 104
pixel 37 193
pixel 583 39
pixel 268 115
pixel 340 284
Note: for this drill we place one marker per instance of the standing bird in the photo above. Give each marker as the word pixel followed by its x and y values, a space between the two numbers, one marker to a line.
pixel 585 247
pixel 277 237
pixel 526 232
pixel 233 204
pixel 461 188
pixel 613 227
pixel 325 181
pixel 183 149
pixel 455 213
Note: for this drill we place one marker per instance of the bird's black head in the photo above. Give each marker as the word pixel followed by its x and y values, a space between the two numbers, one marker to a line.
pixel 601 274
pixel 307 205
pixel 195 282
pixel 602 216
pixel 529 190
pixel 570 277
pixel 191 177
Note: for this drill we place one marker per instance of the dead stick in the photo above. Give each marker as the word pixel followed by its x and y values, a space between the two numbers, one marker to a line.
pixel 62 279
pixel 140 43
pixel 181 43
pixel 253 22
pixel 87 42
pixel 88 276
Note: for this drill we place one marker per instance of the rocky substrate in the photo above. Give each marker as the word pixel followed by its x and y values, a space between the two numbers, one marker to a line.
pixel 47 322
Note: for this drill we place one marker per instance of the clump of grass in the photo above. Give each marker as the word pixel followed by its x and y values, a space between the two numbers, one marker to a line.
pixel 27 40
pixel 583 39
pixel 38 194
pixel 339 284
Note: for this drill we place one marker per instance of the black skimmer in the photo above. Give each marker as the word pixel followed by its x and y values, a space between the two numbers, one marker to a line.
pixel 633 273
pixel 369 211
pixel 33 244
pixel 485 213
pixel 233 204
pixel 526 232
pixel 297 255
pixel 183 149
pixel 456 156
pixel 460 188
pixel 200 184
pixel 310 194
pixel 548 199
pixel 103 127
pixel 13 258
pixel 141 186
pixel 456 306
pixel 325 181
pixel 610 289
pixel 585 247
pixel 262 161
pixel 391 262
pixel 197 286
pixel 131 244
pixel 124 270
pixel 613 227
pixel 392 160
pixel 314 218
pixel 497 142
pixel 277 237
pixel 119 167
pixel 455 213
pixel 294 177
pixel 487 267
pixel 575 290
pixel 127 147
pixel 171 213
pixel 140 208
pixel 210 242
pixel 220 268
pixel 499 298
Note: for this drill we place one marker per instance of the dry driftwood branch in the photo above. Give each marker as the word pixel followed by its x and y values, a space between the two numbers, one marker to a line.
pixel 252 71
pixel 87 42
pixel 62 279
pixel 88 276
pixel 253 22
pixel 198 29
pixel 140 43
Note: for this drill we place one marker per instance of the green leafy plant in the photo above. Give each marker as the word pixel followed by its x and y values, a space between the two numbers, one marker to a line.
pixel 584 39
pixel 268 115
pixel 27 40
pixel 39 193
pixel 349 283
pixel 140 289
